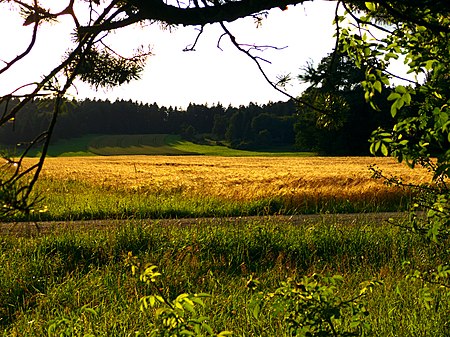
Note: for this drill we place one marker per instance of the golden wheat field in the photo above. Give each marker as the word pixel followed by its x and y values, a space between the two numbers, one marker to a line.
pixel 238 178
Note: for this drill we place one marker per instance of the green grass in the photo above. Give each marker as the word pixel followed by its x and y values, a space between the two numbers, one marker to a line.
pixel 151 144
pixel 77 200
pixel 82 280
pixel 113 145
pixel 220 150
pixel 64 148
pixel 71 147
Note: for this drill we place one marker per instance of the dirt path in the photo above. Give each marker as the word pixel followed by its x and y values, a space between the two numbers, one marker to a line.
pixel 30 229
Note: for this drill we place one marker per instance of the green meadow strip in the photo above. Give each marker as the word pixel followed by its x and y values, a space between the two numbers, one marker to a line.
pixel 151 144
pixel 80 282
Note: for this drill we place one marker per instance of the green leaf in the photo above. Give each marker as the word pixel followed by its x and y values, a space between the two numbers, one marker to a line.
pixel 371 6
pixel 384 150
pixel 377 146
pixel 372 148
pixel 187 333
pixel 385 80
pixel 394 109
pixel 189 307
pixel 89 310
pixel 391 55
pixel 198 301
pixel 393 96
pixel 400 89
pixel 208 328
pixel 374 106
pixel 256 310
pixel 378 86
pixel 429 65
pixel 406 98
pixel 144 304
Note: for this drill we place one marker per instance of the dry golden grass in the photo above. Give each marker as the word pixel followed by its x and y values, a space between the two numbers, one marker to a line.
pixel 294 179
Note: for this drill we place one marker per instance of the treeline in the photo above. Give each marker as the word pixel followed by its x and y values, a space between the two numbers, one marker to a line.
pixel 246 126
pixel 277 124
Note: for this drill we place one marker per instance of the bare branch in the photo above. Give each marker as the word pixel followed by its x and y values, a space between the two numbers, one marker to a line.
pixel 27 50
pixel 192 46
pixel 261 70
pixel 140 55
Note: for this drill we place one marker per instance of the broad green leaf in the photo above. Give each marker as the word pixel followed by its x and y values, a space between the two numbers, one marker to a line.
pixel 406 98
pixel 377 146
pixel 384 150
pixel 385 80
pixel 394 110
pixel 391 55
pixel 378 86
pixel 393 96
pixel 400 89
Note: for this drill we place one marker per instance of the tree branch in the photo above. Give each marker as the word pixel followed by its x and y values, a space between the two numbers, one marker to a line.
pixel 403 15
pixel 27 50
pixel 256 60
pixel 192 16
pixel 228 11
pixel 191 47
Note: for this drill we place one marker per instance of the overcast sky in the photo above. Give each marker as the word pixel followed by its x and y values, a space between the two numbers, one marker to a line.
pixel 173 77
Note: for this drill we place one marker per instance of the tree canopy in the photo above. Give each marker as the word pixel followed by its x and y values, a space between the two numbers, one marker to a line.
pixel 372 34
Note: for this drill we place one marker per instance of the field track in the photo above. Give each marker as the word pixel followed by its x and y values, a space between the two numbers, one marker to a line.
pixel 32 229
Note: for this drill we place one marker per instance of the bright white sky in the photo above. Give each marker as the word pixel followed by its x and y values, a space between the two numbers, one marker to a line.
pixel 176 78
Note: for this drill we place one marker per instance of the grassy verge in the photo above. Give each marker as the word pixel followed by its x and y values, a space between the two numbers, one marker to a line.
pixel 81 283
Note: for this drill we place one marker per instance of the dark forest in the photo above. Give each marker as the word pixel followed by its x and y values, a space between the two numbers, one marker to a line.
pixel 276 124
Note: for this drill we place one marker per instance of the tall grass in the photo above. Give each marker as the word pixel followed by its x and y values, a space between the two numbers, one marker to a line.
pixel 78 201
pixel 82 279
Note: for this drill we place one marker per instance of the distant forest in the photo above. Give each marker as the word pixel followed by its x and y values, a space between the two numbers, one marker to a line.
pixel 278 124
